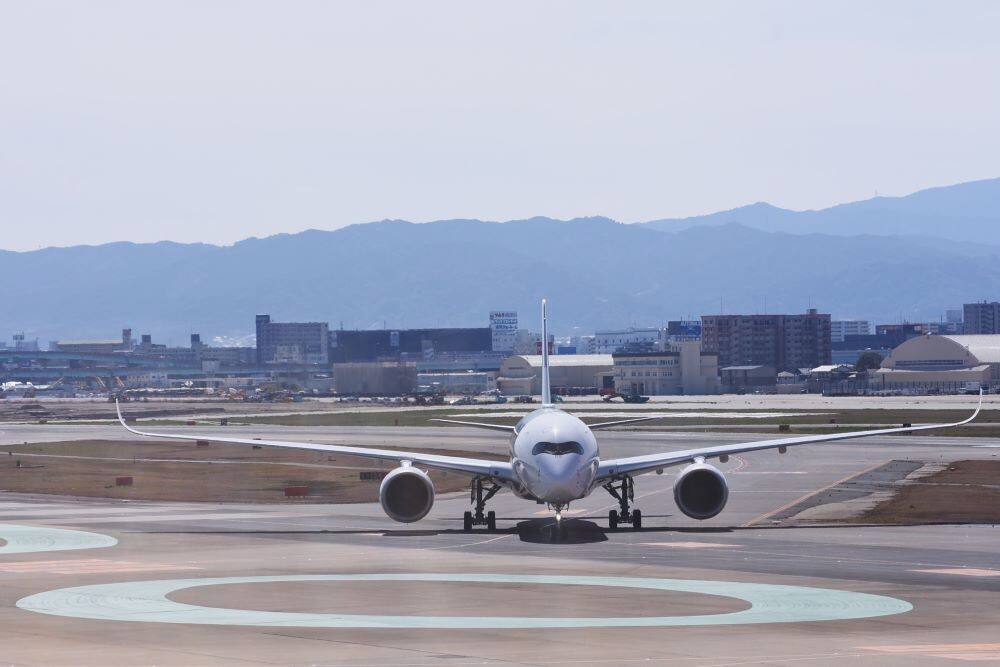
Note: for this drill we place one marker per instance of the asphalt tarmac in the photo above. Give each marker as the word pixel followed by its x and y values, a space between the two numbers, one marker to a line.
pixel 233 584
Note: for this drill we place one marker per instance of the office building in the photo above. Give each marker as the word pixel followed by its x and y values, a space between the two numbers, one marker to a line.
pixel 503 330
pixel 292 342
pixel 98 346
pixel 840 329
pixel 981 318
pixel 681 370
pixel 352 345
pixel 632 339
pixel 781 342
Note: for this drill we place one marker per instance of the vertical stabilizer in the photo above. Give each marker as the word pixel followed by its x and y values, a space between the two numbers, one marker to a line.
pixel 546 387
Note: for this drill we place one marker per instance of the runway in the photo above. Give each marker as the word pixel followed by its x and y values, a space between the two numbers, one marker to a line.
pixel 867 595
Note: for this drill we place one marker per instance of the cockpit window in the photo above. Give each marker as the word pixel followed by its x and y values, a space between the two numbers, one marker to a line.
pixel 558 448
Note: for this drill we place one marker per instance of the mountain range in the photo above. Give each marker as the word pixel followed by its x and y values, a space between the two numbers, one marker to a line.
pixel 967 212
pixel 886 259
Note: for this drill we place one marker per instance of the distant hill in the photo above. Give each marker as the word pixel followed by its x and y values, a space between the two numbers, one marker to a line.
pixel 597 273
pixel 968 212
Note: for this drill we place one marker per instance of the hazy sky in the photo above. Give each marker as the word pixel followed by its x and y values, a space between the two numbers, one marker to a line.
pixel 215 121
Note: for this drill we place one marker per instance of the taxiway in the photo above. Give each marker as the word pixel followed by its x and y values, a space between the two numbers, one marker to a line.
pixel 94 600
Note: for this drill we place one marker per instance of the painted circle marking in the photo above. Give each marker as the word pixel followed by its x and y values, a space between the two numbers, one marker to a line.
pixel 147 601
pixel 30 539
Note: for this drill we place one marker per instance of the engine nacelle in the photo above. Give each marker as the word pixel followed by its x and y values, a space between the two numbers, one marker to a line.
pixel 701 491
pixel 406 494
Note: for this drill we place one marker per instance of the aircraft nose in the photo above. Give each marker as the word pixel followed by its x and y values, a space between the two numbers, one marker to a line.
pixel 567 477
pixel 558 467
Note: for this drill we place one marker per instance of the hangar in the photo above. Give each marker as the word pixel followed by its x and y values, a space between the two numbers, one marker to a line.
pixel 570 373
pixel 943 362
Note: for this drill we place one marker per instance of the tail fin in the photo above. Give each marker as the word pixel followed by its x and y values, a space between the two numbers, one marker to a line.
pixel 546 387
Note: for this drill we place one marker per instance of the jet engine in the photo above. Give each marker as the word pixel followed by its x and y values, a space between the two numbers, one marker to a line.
pixel 701 491
pixel 406 494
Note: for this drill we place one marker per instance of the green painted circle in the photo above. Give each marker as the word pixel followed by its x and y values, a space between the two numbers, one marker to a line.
pixel 32 539
pixel 147 601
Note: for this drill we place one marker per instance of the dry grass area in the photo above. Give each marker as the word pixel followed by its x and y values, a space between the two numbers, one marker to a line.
pixel 185 472
pixel 964 492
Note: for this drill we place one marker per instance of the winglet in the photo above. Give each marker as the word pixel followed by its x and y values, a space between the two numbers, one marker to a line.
pixel 978 407
pixel 121 418
pixel 546 386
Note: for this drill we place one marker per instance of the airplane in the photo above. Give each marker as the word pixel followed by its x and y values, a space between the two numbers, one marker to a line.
pixel 555 460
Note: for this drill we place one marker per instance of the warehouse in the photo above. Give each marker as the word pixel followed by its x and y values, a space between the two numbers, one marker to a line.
pixel 381 378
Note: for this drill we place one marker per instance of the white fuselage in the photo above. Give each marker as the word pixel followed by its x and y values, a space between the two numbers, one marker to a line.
pixel 554 455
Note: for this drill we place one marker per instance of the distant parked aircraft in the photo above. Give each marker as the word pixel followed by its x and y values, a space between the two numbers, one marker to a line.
pixel 554 459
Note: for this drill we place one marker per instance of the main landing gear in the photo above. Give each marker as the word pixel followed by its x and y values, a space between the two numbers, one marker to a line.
pixel 624 494
pixel 480 495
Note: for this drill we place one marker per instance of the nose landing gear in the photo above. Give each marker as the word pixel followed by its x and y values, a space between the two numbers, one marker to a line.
pixel 480 495
pixel 559 510
pixel 624 493
pixel 559 530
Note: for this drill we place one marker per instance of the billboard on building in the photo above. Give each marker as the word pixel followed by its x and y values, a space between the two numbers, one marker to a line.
pixel 686 328
pixel 503 328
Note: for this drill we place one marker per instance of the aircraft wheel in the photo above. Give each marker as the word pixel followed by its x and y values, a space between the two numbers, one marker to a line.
pixel 467 522
pixel 613 520
pixel 636 520
pixel 491 520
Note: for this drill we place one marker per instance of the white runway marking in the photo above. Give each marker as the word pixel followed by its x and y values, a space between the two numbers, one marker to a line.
pixel 29 539
pixel 691 545
pixel 147 601
pixel 962 571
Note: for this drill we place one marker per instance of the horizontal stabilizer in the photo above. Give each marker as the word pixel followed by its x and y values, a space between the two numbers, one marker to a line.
pixel 492 427
pixel 622 422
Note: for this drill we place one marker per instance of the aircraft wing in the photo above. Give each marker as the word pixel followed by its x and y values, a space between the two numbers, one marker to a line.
pixel 501 470
pixel 637 465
